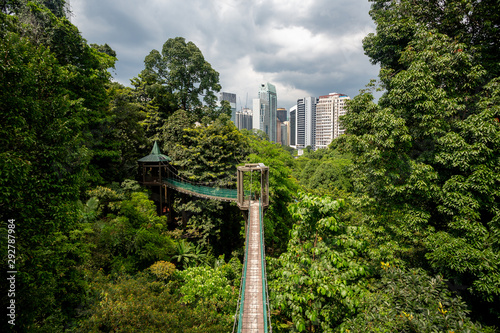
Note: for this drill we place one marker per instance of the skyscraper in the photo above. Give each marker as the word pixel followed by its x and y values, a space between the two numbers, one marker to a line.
pixel 305 122
pixel 231 98
pixel 264 111
pixel 282 114
pixel 244 119
pixel 285 133
pixel 293 126
pixel 328 110
pixel 260 115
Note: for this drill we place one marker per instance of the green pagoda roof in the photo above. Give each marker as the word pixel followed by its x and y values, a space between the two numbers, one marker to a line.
pixel 155 156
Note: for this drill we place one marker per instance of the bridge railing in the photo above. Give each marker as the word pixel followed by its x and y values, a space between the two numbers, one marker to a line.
pixel 265 293
pixel 241 300
pixel 204 191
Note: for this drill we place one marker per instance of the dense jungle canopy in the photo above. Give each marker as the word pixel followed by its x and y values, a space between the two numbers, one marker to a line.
pixel 393 228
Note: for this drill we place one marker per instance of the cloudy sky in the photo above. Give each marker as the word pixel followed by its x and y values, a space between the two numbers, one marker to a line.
pixel 303 47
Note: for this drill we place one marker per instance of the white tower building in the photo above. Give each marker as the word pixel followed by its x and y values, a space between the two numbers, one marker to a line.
pixel 328 111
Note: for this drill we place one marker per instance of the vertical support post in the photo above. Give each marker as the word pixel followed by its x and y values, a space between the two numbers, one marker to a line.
pixel 264 183
pixel 241 188
pixel 161 192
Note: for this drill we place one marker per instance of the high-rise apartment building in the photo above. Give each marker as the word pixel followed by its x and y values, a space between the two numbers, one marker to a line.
pixel 305 122
pixel 328 110
pixel 282 114
pixel 244 119
pixel 264 111
pixel 293 127
pixel 285 133
pixel 231 98
pixel 281 128
pixel 260 114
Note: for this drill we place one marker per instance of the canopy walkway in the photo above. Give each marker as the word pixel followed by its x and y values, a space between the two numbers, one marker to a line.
pixel 252 313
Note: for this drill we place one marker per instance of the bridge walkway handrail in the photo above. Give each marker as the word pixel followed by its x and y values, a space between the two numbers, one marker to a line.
pixel 207 192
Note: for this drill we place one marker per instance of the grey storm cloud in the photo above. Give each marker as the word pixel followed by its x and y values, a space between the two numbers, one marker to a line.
pixel 304 47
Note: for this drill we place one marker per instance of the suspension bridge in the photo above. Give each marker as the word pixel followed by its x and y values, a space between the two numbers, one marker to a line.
pixel 253 310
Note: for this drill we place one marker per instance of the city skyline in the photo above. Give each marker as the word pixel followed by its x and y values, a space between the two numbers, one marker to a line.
pixel 302 47
pixel 312 122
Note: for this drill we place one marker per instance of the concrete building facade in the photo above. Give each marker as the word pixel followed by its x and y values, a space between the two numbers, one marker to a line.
pixel 305 122
pixel 328 111
pixel 293 127
pixel 244 119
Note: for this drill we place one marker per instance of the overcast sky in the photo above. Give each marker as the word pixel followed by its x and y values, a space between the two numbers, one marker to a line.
pixel 303 47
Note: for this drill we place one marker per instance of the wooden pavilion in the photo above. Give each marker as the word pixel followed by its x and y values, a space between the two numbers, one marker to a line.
pixel 154 169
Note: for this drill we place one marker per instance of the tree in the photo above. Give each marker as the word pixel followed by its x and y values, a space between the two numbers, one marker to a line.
pixel 120 137
pixel 425 152
pixel 411 301
pixel 143 303
pixel 55 6
pixel 206 154
pixel 53 85
pixel 318 282
pixel 128 234
pixel 42 162
pixel 325 170
pixel 87 68
pixel 207 287
pixel 474 23
pixel 179 75
pixel 188 255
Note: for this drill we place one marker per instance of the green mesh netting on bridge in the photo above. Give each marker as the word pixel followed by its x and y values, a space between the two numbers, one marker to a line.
pixel 215 192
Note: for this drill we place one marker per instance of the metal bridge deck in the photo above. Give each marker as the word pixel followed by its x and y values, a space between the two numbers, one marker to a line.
pixel 253 308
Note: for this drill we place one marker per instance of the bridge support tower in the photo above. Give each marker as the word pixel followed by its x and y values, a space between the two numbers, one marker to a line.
pixel 245 190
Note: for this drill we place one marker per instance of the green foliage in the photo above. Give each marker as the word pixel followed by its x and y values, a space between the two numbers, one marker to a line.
pixel 204 286
pixel 316 284
pixel 55 6
pixel 325 170
pixel 207 154
pixel 411 301
pixel 426 153
pixel 163 270
pixel 44 159
pixel 121 140
pixel 178 76
pixel 188 255
pixel 134 238
pixel 468 21
pixel 139 304
pixel 423 164
pixel 85 79
pixel 9 7
pixel 104 49
pixel 282 190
